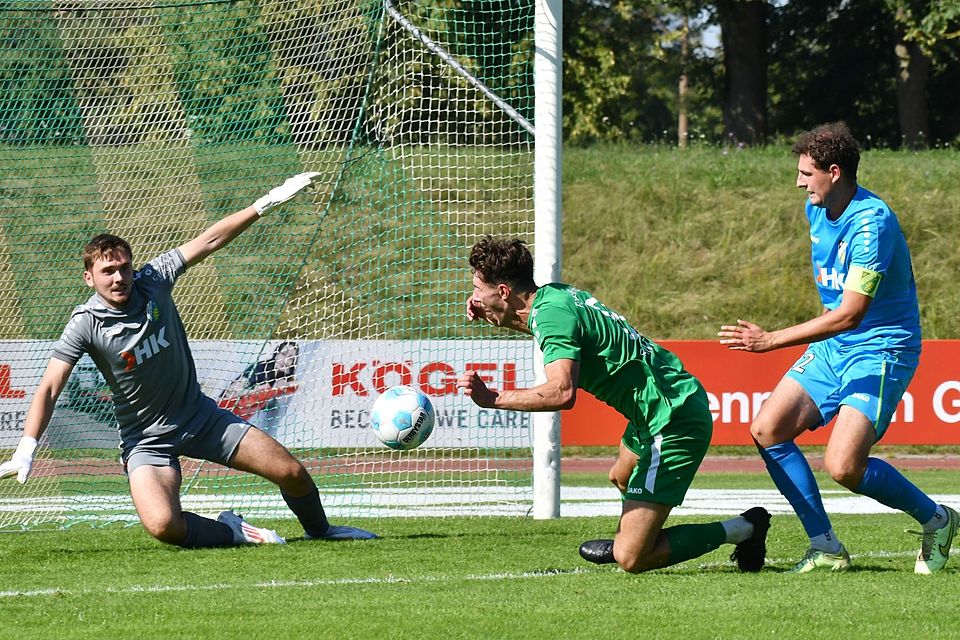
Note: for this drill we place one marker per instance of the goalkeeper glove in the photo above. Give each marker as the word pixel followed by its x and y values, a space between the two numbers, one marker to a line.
pixel 22 460
pixel 290 188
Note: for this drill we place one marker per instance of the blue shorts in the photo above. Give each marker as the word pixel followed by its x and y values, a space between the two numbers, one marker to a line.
pixel 869 381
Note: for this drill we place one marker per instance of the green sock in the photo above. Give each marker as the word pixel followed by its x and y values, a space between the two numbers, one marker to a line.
pixel 689 541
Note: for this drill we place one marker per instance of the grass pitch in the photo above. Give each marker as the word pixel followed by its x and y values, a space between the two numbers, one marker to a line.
pixel 465 578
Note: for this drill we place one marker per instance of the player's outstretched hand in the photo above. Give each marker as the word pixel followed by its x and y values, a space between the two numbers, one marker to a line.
pixel 745 336
pixel 22 461
pixel 286 191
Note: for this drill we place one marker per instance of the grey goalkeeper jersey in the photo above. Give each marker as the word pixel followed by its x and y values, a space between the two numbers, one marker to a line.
pixel 142 352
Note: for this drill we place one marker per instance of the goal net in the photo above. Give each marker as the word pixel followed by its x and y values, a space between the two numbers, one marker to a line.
pixel 153 119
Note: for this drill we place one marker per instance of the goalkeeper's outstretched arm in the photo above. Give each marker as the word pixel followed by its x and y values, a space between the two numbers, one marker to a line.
pixel 52 382
pixel 223 231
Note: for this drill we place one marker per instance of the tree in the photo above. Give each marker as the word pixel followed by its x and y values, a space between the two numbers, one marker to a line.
pixel 831 60
pixel 922 26
pixel 678 31
pixel 605 90
pixel 623 60
pixel 743 25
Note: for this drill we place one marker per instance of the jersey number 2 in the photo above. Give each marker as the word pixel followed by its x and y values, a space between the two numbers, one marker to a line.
pixel 806 359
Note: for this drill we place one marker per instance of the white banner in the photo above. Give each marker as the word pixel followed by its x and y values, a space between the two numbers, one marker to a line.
pixel 313 393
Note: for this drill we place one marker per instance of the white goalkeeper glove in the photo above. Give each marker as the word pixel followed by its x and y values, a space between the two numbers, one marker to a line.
pixel 21 462
pixel 290 188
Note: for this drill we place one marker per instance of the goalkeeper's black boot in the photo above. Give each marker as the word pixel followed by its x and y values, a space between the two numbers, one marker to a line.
pixel 597 551
pixel 752 552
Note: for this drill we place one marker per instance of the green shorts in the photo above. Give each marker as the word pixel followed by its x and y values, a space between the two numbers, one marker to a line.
pixel 669 459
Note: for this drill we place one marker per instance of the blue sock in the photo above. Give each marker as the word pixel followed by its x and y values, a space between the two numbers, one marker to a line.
pixel 791 473
pixel 887 486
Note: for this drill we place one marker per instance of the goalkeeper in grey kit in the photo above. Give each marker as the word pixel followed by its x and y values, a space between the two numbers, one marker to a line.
pixel 132 331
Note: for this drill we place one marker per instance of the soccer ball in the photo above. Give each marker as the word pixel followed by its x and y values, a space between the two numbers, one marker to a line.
pixel 402 417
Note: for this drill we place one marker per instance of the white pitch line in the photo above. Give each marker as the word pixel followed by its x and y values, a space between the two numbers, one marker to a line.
pixel 448 501
pixel 388 580
pixel 590 501
pixel 286 584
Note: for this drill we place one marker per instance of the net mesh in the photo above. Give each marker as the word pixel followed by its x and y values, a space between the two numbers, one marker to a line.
pixel 152 120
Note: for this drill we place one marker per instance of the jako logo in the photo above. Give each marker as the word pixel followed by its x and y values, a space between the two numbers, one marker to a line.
pixel 150 347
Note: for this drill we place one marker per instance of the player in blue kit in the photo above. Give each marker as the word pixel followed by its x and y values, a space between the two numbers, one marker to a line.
pixel 864 349
pixel 132 330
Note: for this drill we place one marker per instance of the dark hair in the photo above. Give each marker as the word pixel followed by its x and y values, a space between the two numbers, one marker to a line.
pixel 104 246
pixel 829 144
pixel 269 372
pixel 503 261
pixel 283 345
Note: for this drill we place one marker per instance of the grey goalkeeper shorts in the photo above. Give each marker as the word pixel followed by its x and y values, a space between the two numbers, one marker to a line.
pixel 213 436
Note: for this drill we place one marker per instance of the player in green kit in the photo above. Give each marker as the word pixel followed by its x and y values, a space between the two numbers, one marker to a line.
pixel 586 345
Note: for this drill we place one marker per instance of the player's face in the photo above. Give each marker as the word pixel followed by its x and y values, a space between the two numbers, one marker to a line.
pixel 112 278
pixel 286 360
pixel 818 183
pixel 491 300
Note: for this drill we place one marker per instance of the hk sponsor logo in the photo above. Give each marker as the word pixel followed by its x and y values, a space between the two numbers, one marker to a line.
pixel 830 278
pixel 149 347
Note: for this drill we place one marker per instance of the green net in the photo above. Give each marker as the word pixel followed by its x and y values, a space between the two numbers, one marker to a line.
pixel 152 120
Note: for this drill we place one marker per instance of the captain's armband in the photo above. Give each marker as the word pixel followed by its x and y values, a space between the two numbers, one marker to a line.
pixel 862 281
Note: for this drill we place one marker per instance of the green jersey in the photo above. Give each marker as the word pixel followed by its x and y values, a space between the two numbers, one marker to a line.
pixel 637 377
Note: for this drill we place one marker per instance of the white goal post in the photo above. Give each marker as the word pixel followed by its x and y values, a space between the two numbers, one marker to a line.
pixel 548 225
pixel 432 122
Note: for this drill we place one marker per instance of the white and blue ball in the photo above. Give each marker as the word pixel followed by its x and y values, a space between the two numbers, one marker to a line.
pixel 402 417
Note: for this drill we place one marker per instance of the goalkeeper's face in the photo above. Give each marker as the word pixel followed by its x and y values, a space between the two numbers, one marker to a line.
pixel 111 276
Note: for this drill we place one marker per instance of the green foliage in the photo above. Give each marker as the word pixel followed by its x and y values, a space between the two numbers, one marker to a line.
pixel 228 82
pixel 252 71
pixel 36 84
pixel 828 60
pixel 833 60
pixel 492 41
pixel 927 22
pixel 595 74
pixel 622 63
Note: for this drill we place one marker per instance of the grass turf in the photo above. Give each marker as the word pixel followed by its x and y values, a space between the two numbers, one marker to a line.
pixel 464 578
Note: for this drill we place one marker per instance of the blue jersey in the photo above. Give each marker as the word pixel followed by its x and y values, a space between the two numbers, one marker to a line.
pixel 864 250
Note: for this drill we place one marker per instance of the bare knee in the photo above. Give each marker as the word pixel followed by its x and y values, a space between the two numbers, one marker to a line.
pixel 635 555
pixel 788 412
pixel 168 528
pixel 633 562
pixel 847 473
pixel 765 432
pixel 294 479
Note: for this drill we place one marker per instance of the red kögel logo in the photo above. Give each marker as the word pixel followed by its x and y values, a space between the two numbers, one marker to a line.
pixel 6 391
pixel 433 378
